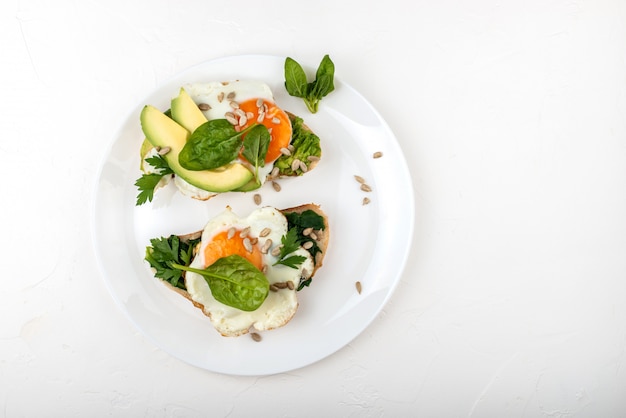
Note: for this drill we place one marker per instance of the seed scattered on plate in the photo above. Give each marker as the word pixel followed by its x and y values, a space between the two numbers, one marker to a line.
pixel 366 200
pixel 257 199
pixel 164 150
pixel 358 287
pixel 377 154
pixel 366 187
pixel 255 336
pixel 204 106
pixel 359 179
pixel 276 186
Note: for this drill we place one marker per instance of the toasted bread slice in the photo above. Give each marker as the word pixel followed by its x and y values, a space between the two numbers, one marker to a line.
pixel 321 239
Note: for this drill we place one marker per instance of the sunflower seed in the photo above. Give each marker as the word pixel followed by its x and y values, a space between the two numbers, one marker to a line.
pixel 265 232
pixel 285 151
pixel 231 95
pixel 220 96
pixel 359 179
pixel 275 120
pixel 291 148
pixel 239 112
pixel 366 200
pixel 249 115
pixel 276 186
pixel 307 245
pixel 234 104
pixel 358 287
pixel 295 164
pixel 260 118
pixel 204 106
pixel 254 240
pixel 164 150
pixel 273 288
pixel 231 232
pixel 276 250
pixel 275 172
pixel 255 336
pixel 244 232
pixel 247 244
pixel 303 166
pixel 257 199
pixel 290 285
pixel 313 235
pixel 307 231
pixel 313 158
pixel 259 103
pixel 377 154
pixel 366 188
pixel 266 246
pixel 231 118
pixel 280 285
pixel 243 120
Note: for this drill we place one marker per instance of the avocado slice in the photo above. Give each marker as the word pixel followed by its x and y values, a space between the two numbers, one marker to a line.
pixel 253 184
pixel 186 112
pixel 163 132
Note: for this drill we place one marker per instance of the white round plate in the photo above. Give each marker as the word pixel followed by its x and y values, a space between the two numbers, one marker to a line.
pixel 369 243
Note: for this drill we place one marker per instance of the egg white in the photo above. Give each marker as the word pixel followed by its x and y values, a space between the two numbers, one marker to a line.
pixel 280 306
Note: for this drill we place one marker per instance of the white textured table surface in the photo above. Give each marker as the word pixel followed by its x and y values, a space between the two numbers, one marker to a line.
pixel 512 117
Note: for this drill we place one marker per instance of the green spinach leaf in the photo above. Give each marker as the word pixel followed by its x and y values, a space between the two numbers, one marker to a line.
pixel 312 93
pixel 295 79
pixel 212 145
pixel 255 145
pixel 234 281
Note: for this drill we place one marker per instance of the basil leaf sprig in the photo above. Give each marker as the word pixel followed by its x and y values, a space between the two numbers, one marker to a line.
pixel 312 93
pixel 212 145
pixel 255 145
pixel 149 181
pixel 234 281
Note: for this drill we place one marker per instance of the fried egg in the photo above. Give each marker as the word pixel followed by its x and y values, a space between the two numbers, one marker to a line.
pixel 243 103
pixel 225 235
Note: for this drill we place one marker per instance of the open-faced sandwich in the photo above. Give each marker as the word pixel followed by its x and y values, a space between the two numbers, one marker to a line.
pixel 220 137
pixel 244 273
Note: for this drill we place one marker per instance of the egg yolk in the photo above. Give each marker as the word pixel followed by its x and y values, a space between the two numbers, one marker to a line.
pixel 275 120
pixel 222 246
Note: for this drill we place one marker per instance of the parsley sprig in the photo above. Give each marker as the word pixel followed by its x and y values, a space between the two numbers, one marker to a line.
pixel 164 252
pixel 149 181
pixel 290 244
